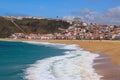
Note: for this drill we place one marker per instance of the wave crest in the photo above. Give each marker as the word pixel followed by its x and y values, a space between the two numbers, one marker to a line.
pixel 73 65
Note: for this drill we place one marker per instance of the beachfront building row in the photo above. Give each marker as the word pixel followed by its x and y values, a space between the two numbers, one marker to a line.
pixel 77 32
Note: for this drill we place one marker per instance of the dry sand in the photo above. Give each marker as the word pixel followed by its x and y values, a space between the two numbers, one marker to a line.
pixel 109 51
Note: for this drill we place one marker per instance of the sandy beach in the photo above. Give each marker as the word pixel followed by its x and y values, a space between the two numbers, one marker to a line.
pixel 109 48
pixel 109 59
pixel 109 55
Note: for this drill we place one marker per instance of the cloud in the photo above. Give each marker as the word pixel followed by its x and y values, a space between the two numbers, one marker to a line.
pixel 85 11
pixel 110 16
pixel 68 17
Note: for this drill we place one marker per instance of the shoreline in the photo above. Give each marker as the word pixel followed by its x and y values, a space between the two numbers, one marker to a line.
pixel 107 68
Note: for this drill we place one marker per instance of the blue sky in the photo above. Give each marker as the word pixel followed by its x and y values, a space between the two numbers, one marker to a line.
pixel 61 8
pixel 53 8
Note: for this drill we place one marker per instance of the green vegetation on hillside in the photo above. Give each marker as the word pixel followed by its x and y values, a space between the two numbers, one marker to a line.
pixel 42 26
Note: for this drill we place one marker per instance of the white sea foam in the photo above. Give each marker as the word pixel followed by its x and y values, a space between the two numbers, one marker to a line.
pixel 75 64
pixel 55 45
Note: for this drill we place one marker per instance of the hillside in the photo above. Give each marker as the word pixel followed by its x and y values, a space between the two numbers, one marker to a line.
pixel 30 26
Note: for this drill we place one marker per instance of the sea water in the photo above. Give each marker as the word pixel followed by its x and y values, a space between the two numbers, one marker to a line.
pixel 45 61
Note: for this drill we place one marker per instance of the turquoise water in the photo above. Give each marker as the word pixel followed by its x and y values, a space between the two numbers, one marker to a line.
pixel 15 57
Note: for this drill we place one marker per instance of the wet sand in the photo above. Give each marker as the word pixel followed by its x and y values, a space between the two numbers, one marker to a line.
pixel 106 68
pixel 107 64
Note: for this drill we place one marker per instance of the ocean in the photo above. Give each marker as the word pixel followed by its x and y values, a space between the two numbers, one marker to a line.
pixel 45 61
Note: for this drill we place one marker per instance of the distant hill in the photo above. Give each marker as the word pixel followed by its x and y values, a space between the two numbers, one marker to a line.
pixel 42 26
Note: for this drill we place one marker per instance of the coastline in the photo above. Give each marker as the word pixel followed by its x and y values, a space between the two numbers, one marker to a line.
pixel 109 48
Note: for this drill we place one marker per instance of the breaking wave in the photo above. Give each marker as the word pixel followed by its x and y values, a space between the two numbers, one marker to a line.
pixel 75 64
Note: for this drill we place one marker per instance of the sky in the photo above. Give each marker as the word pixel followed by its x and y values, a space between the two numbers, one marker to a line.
pixel 97 11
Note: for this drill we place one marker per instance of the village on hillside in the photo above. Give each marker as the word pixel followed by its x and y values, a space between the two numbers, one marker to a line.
pixel 77 31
